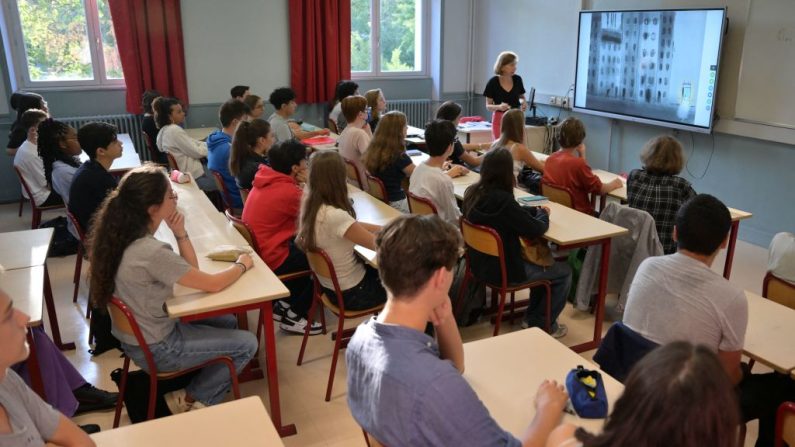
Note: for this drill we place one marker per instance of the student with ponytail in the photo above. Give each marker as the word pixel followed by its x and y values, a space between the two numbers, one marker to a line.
pixel 250 147
pixel 59 149
pixel 129 263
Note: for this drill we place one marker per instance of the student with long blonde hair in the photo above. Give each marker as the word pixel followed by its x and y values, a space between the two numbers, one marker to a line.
pixel 512 137
pixel 377 104
pixel 386 158
pixel 328 222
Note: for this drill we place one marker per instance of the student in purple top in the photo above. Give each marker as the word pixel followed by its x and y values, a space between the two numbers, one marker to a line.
pixel 404 387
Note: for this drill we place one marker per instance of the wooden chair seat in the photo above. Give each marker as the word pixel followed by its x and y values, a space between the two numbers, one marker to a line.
pixel 349 314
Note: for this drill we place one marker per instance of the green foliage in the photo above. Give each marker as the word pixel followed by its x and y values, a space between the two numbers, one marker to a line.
pixel 397 35
pixel 360 35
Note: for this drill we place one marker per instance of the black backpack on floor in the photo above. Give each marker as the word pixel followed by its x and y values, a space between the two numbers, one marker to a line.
pixel 136 396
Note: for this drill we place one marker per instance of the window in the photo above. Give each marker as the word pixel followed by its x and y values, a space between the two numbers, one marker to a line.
pixel 63 43
pixel 388 38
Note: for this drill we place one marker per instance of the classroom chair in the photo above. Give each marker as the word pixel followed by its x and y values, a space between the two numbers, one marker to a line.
pixel 486 240
pixel 370 440
pixel 36 210
pixel 248 235
pixel 557 194
pixel 321 266
pixel 420 205
pixel 785 424
pixel 353 174
pixel 244 194
pixel 332 126
pixel 376 188
pixel 22 200
pixel 81 247
pixel 124 321
pixel 154 153
pixel 172 162
pixel 226 198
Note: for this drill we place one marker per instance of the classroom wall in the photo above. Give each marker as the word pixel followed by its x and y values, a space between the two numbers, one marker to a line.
pixel 746 173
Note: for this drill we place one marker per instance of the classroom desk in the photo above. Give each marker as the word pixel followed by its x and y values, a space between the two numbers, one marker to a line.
pixel 25 287
pixel 370 210
pixel 415 136
pixel 480 132
pixel 239 422
pixel 28 248
pixel 200 133
pixel 255 290
pixel 506 372
pixel 129 157
pixel 769 334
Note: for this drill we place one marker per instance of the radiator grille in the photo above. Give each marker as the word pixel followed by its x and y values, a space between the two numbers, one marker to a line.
pixel 418 111
pixel 129 124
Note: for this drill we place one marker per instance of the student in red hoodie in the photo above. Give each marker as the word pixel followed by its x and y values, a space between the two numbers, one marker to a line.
pixel 271 211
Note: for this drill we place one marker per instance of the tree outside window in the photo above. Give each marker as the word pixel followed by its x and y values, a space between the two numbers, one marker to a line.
pixel 390 45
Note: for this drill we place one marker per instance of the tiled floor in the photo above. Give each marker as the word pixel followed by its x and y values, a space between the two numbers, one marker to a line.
pixel 302 388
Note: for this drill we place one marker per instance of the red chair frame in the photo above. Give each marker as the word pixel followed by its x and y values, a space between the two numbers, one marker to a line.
pixel 350 166
pixel 226 198
pixel 79 264
pixel 151 147
pixel 503 288
pixel 172 162
pixel 36 210
pixel 154 376
pixel 375 186
pixel 320 300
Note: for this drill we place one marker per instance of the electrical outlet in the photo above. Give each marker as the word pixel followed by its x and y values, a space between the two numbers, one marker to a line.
pixel 565 103
pixel 553 100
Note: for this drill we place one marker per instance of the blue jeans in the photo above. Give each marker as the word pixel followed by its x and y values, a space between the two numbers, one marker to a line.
pixel 368 293
pixel 559 274
pixel 194 343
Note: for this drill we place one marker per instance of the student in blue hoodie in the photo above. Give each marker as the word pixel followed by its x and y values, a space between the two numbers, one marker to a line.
pixel 232 113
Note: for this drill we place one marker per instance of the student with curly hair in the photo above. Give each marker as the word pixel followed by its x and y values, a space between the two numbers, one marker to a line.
pixel 59 150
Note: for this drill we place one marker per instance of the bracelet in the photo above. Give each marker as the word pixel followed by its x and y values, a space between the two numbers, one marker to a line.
pixel 182 238
pixel 245 269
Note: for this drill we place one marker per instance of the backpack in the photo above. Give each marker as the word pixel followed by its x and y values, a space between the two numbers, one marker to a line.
pixel 468 310
pixel 63 243
pixel 136 395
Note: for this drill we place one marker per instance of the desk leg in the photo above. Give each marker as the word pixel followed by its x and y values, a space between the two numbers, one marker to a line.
pixel 727 268
pixel 33 367
pixel 600 301
pixel 49 302
pixel 273 373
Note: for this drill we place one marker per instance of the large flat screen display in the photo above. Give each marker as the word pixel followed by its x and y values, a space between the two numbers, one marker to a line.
pixel 656 67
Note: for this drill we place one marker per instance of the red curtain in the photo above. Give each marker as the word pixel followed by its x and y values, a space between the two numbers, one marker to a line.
pixel 149 38
pixel 320 47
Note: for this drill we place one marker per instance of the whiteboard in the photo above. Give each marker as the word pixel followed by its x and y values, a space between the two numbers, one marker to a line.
pixel 766 92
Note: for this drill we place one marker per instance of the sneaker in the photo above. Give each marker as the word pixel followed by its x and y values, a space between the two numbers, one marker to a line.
pixel 279 311
pixel 90 428
pixel 297 325
pixel 197 405
pixel 560 332
pixel 91 398
pixel 177 402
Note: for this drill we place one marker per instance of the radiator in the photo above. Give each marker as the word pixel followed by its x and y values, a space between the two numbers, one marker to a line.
pixel 418 111
pixel 127 123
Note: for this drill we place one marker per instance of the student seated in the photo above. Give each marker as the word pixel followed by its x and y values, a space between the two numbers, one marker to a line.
pixel 22 102
pixel 239 92
pixel 343 89
pixel 677 395
pixel 129 263
pixel 377 104
pixel 355 138
pixel 430 180
pixel 404 387
pixel 679 297
pixel 512 137
pixel 59 150
pixel 490 202
pixel 386 158
pixel 451 111
pixel 568 167
pixel 250 147
pixel 187 152
pixel 93 181
pixel 781 257
pixel 30 165
pixel 328 222
pixel 272 211
pixel 25 419
pixel 256 107
pixel 657 187
pixel 231 114
pixel 149 125
pixel 283 100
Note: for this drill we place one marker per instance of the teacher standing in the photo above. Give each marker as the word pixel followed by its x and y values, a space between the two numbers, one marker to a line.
pixel 504 91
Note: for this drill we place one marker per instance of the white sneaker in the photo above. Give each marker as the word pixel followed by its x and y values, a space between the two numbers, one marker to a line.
pixel 298 326
pixel 176 401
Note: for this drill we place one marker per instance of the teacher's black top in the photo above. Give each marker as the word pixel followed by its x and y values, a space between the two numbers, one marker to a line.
pixel 498 94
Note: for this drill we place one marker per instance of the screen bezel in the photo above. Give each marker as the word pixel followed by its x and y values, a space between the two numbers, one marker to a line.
pixel 646 120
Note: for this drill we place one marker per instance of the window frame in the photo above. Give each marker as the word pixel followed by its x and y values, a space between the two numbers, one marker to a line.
pixel 375 51
pixel 18 58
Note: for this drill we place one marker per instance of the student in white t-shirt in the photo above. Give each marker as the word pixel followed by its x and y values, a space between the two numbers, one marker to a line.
pixel 430 179
pixel 25 419
pixel 354 140
pixel 328 222
pixel 30 165
pixel 781 258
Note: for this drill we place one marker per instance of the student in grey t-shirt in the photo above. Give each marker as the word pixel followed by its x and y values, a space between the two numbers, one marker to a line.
pixel 404 387
pixel 25 419
pixel 129 263
pixel 283 100
pixel 678 297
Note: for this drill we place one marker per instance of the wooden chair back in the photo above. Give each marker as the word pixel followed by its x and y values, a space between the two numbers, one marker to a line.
pixel 221 185
pixel 778 290
pixel 557 194
pixel 244 194
pixel 243 229
pixel 151 147
pixel 332 126
pixel 353 173
pixel 376 188
pixel 481 238
pixel 421 205
pixel 172 162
